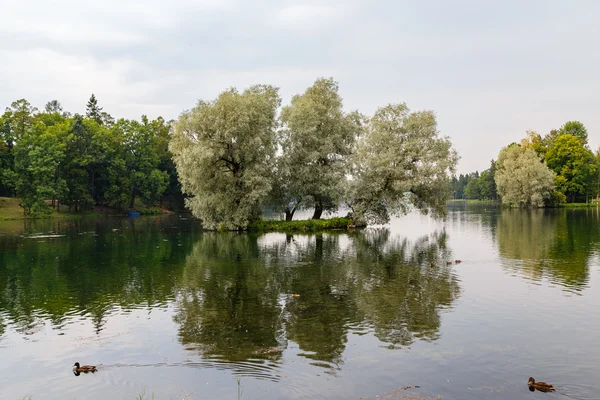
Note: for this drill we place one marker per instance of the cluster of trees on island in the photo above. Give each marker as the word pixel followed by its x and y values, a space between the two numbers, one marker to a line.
pixel 539 171
pixel 51 157
pixel 238 154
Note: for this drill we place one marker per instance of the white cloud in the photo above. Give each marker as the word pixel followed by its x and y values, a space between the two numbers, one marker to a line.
pixel 490 71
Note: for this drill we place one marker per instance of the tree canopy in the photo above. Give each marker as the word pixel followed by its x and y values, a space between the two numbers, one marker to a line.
pixel 233 162
pixel 224 151
pixel 400 161
pixel 50 158
pixel 317 139
pixel 565 151
pixel 521 178
pixel 573 164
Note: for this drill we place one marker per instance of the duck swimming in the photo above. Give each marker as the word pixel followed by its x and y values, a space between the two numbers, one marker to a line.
pixel 77 369
pixel 541 386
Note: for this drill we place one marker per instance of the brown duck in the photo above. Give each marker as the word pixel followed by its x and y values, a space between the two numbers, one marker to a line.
pixel 448 262
pixel 541 386
pixel 83 368
pixel 457 261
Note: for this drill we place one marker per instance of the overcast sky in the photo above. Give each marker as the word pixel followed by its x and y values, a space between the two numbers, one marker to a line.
pixel 490 70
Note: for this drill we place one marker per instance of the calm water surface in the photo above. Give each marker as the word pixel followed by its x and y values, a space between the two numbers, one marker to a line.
pixel 165 308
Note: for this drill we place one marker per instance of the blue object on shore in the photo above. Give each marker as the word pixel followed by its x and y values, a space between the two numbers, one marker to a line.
pixel 133 214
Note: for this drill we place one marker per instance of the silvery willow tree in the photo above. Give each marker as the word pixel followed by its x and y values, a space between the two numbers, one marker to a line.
pixel 400 162
pixel 224 150
pixel 316 140
pixel 522 179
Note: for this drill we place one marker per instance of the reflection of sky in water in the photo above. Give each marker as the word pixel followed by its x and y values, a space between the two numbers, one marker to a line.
pixel 514 316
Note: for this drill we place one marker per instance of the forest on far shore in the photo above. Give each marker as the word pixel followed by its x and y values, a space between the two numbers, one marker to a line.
pixel 51 157
pixel 571 170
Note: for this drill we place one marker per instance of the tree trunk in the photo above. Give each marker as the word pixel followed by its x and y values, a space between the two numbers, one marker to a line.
pixel 318 210
pixel 132 201
pixel 289 214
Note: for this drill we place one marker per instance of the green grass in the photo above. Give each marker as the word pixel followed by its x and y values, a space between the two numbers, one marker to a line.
pixel 454 201
pixel 11 210
pixel 308 225
pixel 145 210
pixel 580 205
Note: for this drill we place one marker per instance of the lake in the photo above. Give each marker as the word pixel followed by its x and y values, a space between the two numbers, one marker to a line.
pixel 168 310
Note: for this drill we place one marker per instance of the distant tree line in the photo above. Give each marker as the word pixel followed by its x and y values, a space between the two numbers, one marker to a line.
pixel 51 157
pixel 476 186
pixel 539 171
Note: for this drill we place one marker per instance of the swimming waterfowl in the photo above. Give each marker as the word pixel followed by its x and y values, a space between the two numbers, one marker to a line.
pixel 541 386
pixel 84 368
pixel 457 261
pixel 432 265
pixel 448 262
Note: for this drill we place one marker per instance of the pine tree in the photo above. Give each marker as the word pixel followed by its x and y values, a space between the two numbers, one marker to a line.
pixel 93 111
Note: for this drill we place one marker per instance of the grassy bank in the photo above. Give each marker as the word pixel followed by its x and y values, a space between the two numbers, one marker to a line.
pixel 309 225
pixel 580 205
pixel 11 210
pixel 464 201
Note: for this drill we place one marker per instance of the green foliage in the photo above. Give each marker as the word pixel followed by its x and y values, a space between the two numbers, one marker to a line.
pixel 53 107
pixel 93 111
pixel 476 186
pixel 534 141
pixel 224 152
pixel 473 190
pixel 138 172
pixel 50 159
pixel 317 139
pixel 573 164
pixel 38 155
pixel 556 199
pixel 565 152
pixel 400 161
pixel 581 205
pixel 522 180
pixel 309 225
pixel 576 129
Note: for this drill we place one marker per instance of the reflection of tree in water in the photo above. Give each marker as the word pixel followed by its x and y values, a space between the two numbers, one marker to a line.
pixel 397 292
pixel 90 271
pixel 245 296
pixel 317 319
pixel 229 305
pixel 549 243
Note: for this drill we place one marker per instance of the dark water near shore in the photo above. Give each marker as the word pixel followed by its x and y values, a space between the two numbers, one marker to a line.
pixel 165 308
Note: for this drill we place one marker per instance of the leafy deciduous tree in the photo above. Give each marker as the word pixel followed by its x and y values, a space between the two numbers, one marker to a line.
pixel 224 150
pixel 573 164
pixel 317 140
pixel 401 160
pixel 576 129
pixel 521 178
